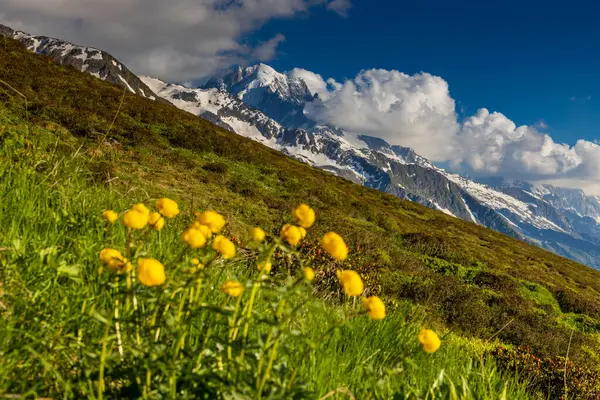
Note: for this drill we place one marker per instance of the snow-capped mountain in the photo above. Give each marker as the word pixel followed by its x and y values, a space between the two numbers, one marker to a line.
pixel 86 59
pixel 268 106
pixel 278 95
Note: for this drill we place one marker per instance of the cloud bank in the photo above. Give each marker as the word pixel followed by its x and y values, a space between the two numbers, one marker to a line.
pixel 178 40
pixel 417 111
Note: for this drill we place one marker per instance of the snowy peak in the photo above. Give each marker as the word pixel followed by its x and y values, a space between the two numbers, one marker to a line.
pixel 279 96
pixel 86 59
pixel 243 81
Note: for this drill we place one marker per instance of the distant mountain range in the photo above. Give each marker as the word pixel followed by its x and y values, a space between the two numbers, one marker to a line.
pixel 268 106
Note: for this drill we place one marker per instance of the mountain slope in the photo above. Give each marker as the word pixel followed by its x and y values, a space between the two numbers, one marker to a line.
pixel 267 106
pixel 473 279
pixel 85 59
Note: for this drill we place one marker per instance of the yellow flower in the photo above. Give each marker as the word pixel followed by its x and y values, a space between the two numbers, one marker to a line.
pixel 375 307
pixel 197 265
pixel 141 208
pixel 309 273
pixel 265 266
pixel 232 288
pixel 114 261
pixel 110 216
pixel 335 246
pixel 151 272
pixel 291 234
pixel 135 219
pixel 167 207
pixel 224 246
pixel 430 340
pixel 351 282
pixel 213 220
pixel 305 215
pixel 258 234
pixel 194 238
pixel 205 230
pixel 156 221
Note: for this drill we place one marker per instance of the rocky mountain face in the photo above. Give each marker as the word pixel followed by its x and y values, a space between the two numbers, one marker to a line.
pixel 268 106
pixel 86 59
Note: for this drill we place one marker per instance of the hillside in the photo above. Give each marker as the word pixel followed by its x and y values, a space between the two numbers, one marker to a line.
pixel 475 281
pixel 275 109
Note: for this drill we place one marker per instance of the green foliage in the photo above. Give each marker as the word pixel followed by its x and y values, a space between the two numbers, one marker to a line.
pixel 557 377
pixel 443 267
pixel 185 339
pixel 540 295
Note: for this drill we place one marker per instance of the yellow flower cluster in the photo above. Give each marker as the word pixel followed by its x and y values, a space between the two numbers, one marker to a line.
pixel 232 288
pixel 201 231
pixel 197 264
pixel 150 272
pixel 429 340
pixel 224 246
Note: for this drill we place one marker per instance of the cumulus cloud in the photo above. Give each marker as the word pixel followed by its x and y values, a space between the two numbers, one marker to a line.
pixel 415 111
pixel 176 40
pixel 490 143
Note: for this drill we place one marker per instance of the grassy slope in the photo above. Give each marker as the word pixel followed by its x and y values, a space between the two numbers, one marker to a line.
pixel 51 296
pixel 471 278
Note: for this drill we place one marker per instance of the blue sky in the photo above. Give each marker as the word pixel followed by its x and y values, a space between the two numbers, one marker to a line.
pixel 527 59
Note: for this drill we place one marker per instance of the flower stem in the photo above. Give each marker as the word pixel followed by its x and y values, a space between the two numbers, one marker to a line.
pixel 117 322
pixel 248 316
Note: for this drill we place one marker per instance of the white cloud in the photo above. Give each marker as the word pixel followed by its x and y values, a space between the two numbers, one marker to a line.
pixel 177 40
pixel 490 143
pixel 415 111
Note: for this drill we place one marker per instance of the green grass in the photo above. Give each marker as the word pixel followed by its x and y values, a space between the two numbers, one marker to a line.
pixel 56 307
pixel 468 279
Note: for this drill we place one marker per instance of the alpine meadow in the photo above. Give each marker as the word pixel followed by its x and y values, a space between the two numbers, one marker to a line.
pixel 148 253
